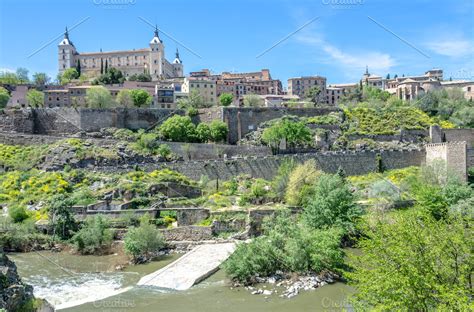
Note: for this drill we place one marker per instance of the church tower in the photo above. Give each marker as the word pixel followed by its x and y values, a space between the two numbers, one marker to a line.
pixel 67 51
pixel 157 56
pixel 177 65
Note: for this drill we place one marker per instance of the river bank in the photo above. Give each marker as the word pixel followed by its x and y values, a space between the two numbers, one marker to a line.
pixel 72 283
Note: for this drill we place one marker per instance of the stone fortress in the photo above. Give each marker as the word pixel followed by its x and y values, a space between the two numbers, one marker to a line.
pixel 148 60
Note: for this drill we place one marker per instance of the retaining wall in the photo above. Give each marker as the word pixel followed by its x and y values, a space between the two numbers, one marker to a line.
pixel 354 163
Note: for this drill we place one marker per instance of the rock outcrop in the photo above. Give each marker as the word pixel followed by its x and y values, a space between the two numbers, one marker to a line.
pixel 15 295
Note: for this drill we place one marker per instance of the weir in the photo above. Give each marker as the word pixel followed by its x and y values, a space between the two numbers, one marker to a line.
pixel 190 269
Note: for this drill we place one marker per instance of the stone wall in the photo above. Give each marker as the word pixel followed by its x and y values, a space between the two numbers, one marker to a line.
pixel 197 151
pixel 453 155
pixel 403 136
pixel 191 216
pixel 16 120
pixel 188 233
pixel 61 120
pixel 458 135
pixel 243 120
pixel 354 163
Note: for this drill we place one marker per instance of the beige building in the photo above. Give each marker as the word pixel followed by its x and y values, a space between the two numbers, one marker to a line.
pixel 300 86
pixel 241 84
pixel 148 60
pixel 205 87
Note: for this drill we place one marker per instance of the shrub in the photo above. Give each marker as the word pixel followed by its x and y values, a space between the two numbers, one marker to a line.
pixel 300 183
pixel 93 236
pixel 218 131
pixel 164 151
pixel 280 181
pixel 178 129
pixel 148 142
pixel 287 246
pixel 203 132
pixel 331 205
pixel 4 97
pixel 226 99
pixel 144 240
pixel 411 262
pixel 18 213
pixel 20 236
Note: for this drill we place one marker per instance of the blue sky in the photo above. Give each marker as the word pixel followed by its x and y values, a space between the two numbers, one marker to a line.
pixel 228 35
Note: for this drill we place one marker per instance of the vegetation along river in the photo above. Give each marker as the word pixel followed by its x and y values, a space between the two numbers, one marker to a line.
pixel 89 283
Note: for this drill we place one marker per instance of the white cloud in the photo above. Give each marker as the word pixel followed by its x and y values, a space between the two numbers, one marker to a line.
pixel 453 47
pixel 353 62
pixel 6 70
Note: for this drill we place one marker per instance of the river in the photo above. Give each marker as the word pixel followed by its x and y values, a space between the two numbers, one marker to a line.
pixel 89 283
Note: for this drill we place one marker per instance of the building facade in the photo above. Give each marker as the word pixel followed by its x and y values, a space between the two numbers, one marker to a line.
pixel 206 88
pixel 148 60
pixel 300 86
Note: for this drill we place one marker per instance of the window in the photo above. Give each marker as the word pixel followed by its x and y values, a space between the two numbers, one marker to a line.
pixel 468 89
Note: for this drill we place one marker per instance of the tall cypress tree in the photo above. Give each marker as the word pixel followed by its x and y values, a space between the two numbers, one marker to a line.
pixel 101 66
pixel 78 68
pixel 106 67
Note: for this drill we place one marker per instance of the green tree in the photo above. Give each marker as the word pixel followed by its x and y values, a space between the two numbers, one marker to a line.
pixel 252 100
pixel 332 204
pixel 143 77
pixel 300 183
pixel 313 94
pixel 144 240
pixel 98 97
pixel 7 77
pixel 78 67
pixel 4 97
pixel 94 235
pixel 22 74
pixel 193 101
pixel 178 129
pixel 295 134
pixel 110 76
pixel 203 132
pixel 68 75
pixel 140 97
pixel 124 98
pixel 226 99
pixel 62 220
pixel 218 131
pixel 41 79
pixel 411 262
pixel 35 98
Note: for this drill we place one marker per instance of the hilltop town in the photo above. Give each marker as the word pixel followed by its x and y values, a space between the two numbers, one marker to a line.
pixel 124 155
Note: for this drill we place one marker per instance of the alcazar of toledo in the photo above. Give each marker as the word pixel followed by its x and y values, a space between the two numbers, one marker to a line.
pixel 148 60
